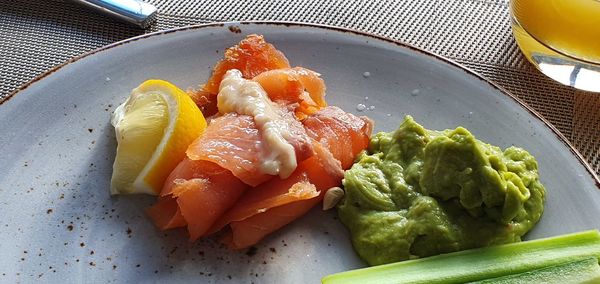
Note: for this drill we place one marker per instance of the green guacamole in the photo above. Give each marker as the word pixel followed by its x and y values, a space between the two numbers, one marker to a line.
pixel 419 192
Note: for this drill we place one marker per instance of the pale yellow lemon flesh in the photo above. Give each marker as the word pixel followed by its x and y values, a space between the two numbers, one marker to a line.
pixel 154 127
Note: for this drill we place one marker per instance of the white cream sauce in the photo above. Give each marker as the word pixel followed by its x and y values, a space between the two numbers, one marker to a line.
pixel 247 97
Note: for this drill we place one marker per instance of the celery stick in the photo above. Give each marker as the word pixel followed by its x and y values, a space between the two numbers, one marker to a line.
pixel 580 271
pixel 479 264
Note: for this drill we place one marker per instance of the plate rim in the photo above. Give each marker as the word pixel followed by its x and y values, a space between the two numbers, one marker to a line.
pixel 233 27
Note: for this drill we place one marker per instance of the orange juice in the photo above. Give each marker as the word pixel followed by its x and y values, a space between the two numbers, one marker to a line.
pixel 571 27
pixel 561 37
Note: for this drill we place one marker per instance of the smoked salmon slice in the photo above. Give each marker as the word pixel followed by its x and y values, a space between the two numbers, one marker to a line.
pixel 195 194
pixel 220 183
pixel 166 214
pixel 252 56
pixel 205 101
pixel 331 125
pixel 250 231
pixel 341 136
pixel 284 191
pixel 299 86
pixel 321 172
pixel 251 220
pixel 233 142
pixel 220 165
pixel 203 200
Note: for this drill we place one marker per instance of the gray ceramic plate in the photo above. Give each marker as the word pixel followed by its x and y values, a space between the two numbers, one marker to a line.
pixel 59 224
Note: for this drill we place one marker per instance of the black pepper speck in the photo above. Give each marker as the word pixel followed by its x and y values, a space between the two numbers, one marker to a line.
pixel 251 251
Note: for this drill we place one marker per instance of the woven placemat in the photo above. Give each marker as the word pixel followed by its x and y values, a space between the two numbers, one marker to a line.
pixel 37 35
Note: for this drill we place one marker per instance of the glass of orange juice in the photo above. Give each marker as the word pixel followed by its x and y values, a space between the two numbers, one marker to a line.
pixel 561 38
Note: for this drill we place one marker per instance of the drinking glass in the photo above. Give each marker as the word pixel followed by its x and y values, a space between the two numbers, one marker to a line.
pixel 561 38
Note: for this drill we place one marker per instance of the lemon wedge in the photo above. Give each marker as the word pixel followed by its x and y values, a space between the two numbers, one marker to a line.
pixel 154 127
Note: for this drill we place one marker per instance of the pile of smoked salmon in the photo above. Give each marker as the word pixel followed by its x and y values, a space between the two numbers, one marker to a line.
pixel 219 186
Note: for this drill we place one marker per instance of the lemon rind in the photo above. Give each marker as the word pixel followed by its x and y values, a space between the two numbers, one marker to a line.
pixel 169 94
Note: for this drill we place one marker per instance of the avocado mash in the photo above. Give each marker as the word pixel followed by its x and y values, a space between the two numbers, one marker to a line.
pixel 419 192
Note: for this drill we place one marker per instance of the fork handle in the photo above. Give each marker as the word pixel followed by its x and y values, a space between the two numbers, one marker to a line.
pixel 133 11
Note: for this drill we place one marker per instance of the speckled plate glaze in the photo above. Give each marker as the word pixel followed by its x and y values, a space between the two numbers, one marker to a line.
pixel 59 224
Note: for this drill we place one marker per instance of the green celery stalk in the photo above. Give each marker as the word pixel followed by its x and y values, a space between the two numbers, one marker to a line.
pixel 581 271
pixel 478 264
